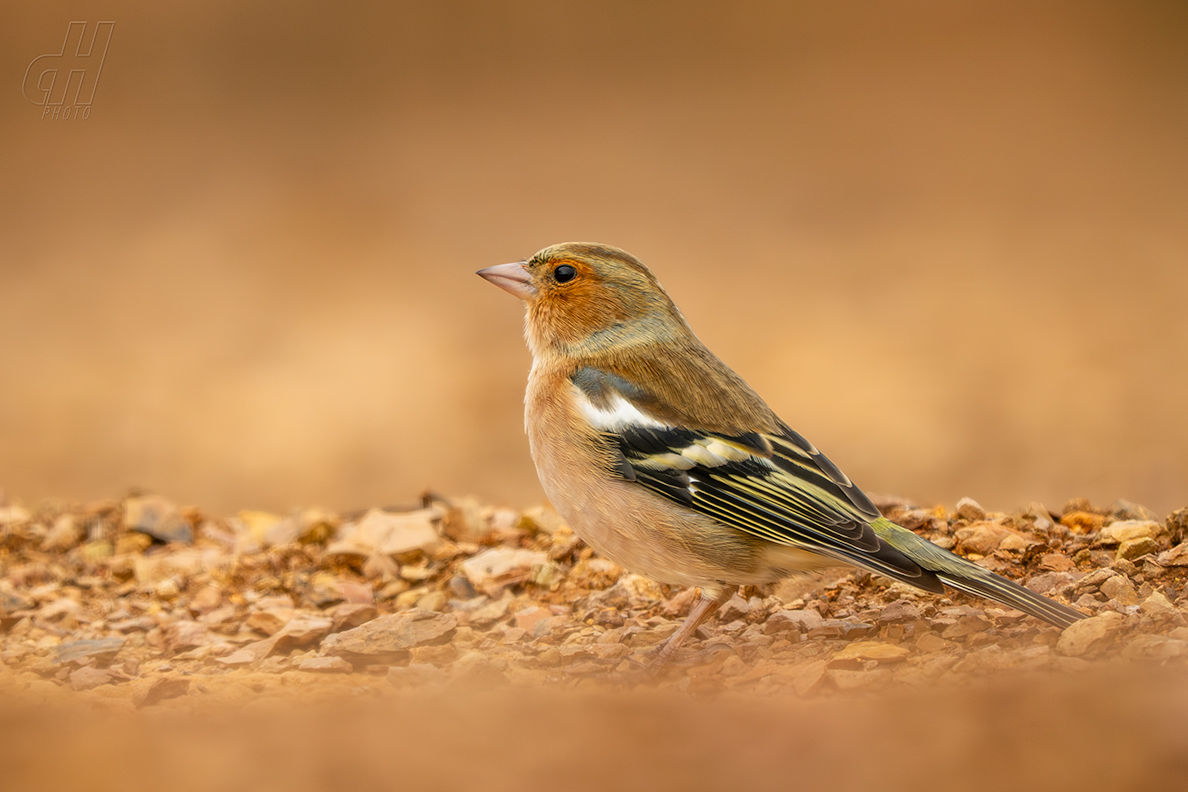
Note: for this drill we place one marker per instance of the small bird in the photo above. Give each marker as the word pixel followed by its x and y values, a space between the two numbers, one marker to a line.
pixel 664 460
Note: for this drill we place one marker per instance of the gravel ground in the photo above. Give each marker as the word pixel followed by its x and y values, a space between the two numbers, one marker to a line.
pixel 126 608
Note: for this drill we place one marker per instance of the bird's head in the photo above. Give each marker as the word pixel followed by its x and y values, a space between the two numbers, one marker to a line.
pixel 583 298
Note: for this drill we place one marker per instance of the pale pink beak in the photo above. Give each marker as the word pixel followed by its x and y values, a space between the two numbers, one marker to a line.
pixel 512 278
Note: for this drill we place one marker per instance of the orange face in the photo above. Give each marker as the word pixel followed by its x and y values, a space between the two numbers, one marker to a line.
pixel 577 292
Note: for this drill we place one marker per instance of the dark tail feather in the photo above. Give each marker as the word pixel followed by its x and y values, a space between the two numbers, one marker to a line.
pixel 1008 592
pixel 971 578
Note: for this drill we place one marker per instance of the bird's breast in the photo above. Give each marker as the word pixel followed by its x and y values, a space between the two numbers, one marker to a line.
pixel 622 520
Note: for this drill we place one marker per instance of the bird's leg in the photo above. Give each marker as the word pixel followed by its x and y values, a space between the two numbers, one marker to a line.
pixel 702 609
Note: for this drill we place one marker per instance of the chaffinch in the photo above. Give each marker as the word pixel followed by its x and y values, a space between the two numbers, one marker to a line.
pixel 664 460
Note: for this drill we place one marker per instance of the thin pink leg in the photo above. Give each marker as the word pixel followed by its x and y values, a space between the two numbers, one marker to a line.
pixel 702 610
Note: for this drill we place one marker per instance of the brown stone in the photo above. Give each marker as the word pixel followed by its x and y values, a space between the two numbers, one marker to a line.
pixel 432 601
pixel 528 617
pixel 183 635
pixel 1155 647
pixel 491 612
pixel 207 599
pixel 969 509
pixel 390 636
pixel 899 611
pixel 1157 606
pixel 1116 533
pixel 1016 543
pixel 63 535
pixel 222 619
pixel 356 593
pixel 491 570
pixel 1094 579
pixel 242 657
pixel 250 653
pixel 982 538
pixel 929 642
pixel 1082 522
pixel 1056 562
pixel 349 615
pixel 388 533
pixel 785 620
pixel 1131 549
pixel 163 688
pixel 440 655
pixel 270 621
pixel 1089 634
pixel 964 626
pixel 74 652
pixel 305 630
pixel 807 679
pixel 325 665
pixel 1177 556
pixel 1177 525
pixel 324 589
pixel 547 626
pixel 1120 589
pixel 88 678
pixel 541 519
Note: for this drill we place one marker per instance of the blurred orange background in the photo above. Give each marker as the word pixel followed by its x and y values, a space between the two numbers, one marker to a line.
pixel 948 242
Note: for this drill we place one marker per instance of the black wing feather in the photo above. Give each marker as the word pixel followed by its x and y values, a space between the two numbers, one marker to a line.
pixel 790 503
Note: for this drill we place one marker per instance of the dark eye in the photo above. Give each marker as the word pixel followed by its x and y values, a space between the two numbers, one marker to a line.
pixel 564 274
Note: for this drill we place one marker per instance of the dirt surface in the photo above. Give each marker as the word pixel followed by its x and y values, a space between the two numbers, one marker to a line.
pixel 454 612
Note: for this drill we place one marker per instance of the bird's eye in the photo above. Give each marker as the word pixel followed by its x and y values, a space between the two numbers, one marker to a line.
pixel 564 274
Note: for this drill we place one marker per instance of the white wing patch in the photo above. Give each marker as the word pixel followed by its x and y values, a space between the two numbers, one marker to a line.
pixel 621 414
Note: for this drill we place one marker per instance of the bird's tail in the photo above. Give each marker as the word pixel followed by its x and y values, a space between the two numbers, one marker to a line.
pixel 971 578
pixel 992 586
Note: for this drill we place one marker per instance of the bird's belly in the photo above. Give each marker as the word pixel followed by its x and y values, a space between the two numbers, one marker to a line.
pixel 625 529
pixel 649 536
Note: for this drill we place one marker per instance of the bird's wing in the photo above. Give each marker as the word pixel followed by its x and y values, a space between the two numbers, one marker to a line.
pixel 773 486
pixel 767 486
pixel 778 487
